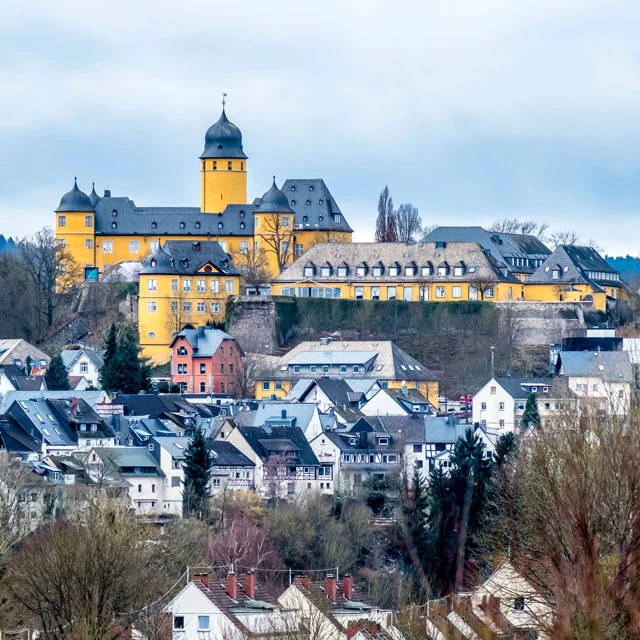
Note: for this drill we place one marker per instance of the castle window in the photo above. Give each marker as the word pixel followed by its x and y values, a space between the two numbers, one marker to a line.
pixel 242 225
pixel 153 262
pixel 220 225
pixel 134 246
pixel 321 201
pixel 107 246
pixel 362 269
pixel 337 218
pixel 310 187
pixel 219 146
pixel 62 242
pixel 215 165
pixel 326 270
pixel 242 166
pixel 151 334
pixel 343 270
pixel 320 218
pixel 182 225
pixel 394 270
pixel 154 225
pixel 152 306
pixel 114 213
pixel 243 246
pixel 298 249
pixel 293 203
pixel 293 187
pixel 114 224
pixel 229 166
pixel 242 214
pixel 62 221
pixel 197 225
pixel 88 221
pixel 304 218
pixel 309 270
pixel 308 201
pixel 88 243
pixel 286 221
pixel 378 269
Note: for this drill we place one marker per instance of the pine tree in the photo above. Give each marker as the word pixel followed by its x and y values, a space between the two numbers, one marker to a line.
pixel 56 375
pixel 198 461
pixel 107 373
pixel 531 415
pixel 124 369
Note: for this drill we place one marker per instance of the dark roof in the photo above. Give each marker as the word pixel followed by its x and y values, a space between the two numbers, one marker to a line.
pixel 409 428
pixel 74 201
pixel 336 389
pixel 93 196
pixel 204 341
pixel 187 258
pixel 258 439
pixel 519 388
pixel 236 220
pixel 20 381
pixel 15 438
pixel 223 140
pixel 226 455
pixel 273 201
pixel 314 206
pixel 154 405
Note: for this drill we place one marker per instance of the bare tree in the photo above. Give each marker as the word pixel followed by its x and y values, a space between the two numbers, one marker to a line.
pixel 277 237
pixel 482 284
pixel 568 237
pixel 386 223
pixel 525 227
pixel 409 223
pixel 52 270
pixel 253 266
pixel 14 516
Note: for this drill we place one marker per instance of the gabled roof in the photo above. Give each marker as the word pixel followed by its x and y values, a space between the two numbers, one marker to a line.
pixel 18 349
pixel 174 446
pixel 409 428
pixel 610 366
pixel 226 455
pixel 153 404
pixel 204 341
pixel 296 414
pixel 69 357
pixel 20 381
pixel 91 397
pixel 122 458
pixel 15 437
pixel 520 388
pixel 258 439
pixel 183 257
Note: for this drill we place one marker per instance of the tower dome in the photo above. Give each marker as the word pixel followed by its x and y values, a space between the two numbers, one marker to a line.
pixel 93 196
pixel 223 140
pixel 274 201
pixel 75 200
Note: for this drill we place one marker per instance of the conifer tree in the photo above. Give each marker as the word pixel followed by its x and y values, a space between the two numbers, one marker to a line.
pixel 198 461
pixel 124 369
pixel 56 376
pixel 531 415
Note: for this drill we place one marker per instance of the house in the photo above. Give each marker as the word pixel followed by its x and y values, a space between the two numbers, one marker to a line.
pixel 396 271
pixel 237 607
pixel 19 352
pixel 603 378
pixel 335 609
pixel 397 402
pixel 576 273
pixel 14 378
pixel 97 400
pixel 82 362
pixel 500 403
pixel 206 360
pixel 379 361
pixel 169 453
pixel 173 410
pixel 133 468
pixel 232 470
pixel 182 283
pixel 505 606
pixel 285 464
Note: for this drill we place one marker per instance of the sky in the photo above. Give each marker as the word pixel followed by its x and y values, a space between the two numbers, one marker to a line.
pixel 471 111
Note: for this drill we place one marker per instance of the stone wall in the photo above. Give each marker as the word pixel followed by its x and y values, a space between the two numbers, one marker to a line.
pixel 253 322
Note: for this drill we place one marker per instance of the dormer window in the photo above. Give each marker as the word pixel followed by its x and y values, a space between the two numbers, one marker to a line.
pixel 308 202
pixel 114 224
pixel 293 187
pixel 114 213
pixel 153 262
pixel 555 274
pixel 309 270
pixel 182 225
pixel 304 218
pixel 383 440
pixel 443 269
pixel 293 204
pixel 310 187
pixel 242 225
pixel 343 270
pixel 378 269
pixel 326 270
pixel 337 218
pixel 394 270
pixel 427 269
pixel 459 269
pixel 362 269
pixel 242 214
pixel 220 225
pixel 154 225
pixel 410 269
pixel 197 225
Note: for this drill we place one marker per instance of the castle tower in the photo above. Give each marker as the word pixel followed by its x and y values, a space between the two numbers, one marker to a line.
pixel 223 167
pixel 75 226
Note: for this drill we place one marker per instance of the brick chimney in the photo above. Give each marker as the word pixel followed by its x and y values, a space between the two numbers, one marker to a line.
pixel 74 406
pixel 250 584
pixel 362 625
pixel 303 581
pixel 347 586
pixel 232 585
pixel 331 587
pixel 200 577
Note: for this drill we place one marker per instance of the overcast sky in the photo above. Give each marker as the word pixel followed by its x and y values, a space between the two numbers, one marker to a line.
pixel 471 110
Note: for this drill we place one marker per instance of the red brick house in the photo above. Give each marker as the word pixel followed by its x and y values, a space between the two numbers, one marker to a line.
pixel 205 360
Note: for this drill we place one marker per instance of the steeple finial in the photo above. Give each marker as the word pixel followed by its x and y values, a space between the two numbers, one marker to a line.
pixel 274 181
pixel 224 95
pixel 75 179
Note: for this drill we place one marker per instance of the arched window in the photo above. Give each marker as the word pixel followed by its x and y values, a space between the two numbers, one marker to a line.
pixel 114 224
pixel 154 225
pixel 197 225
pixel 182 225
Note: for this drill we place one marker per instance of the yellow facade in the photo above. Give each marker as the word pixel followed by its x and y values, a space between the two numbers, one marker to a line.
pixel 576 293
pixel 270 388
pixel 75 231
pixel 167 302
pixel 223 181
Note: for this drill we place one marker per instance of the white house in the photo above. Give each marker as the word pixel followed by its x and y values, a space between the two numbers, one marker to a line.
pixel 169 455
pixel 85 363
pixel 397 402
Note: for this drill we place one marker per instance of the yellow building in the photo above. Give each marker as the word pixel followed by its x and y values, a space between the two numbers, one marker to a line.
pixel 396 271
pixel 181 283
pixel 378 360
pixel 102 232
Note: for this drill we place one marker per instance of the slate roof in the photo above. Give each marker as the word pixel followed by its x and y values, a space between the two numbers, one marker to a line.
pixel 575 264
pixel 223 140
pixel 136 457
pixel 409 428
pixel 15 438
pixel 39 421
pixel 226 455
pixel 69 356
pixel 440 430
pixel 273 201
pixel 298 414
pixel 175 446
pixel 314 206
pixel 391 362
pixel 90 397
pixel 514 386
pixel 258 437
pixel 75 201
pixel 610 366
pixel 17 349
pixel 81 414
pixel 478 264
pixel 183 257
pixel 154 405
pixel 204 341
pixel 21 382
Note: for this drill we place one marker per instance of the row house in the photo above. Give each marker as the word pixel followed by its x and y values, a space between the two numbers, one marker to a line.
pixel 206 360
pixel 378 361
pixel 285 464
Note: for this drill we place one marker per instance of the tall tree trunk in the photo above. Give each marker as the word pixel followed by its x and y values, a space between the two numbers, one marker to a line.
pixel 464 530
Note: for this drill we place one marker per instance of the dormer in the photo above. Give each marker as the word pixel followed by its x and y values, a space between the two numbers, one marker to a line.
pixel 443 269
pixel 410 269
pixel 459 269
pixel 309 270
pixel 426 269
pixel 378 269
pixel 394 269
pixel 326 270
pixel 343 270
pixel 362 269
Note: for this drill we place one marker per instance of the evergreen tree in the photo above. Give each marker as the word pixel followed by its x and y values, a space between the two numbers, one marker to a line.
pixel 531 415
pixel 198 461
pixel 107 373
pixel 124 369
pixel 56 375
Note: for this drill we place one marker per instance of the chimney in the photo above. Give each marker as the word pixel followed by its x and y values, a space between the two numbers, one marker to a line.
pixel 331 587
pixel 303 581
pixel 107 193
pixel 494 604
pixel 250 585
pixel 232 585
pixel 362 625
pixel 284 414
pixel 201 577
pixel 405 391
pixel 74 406
pixel 347 586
